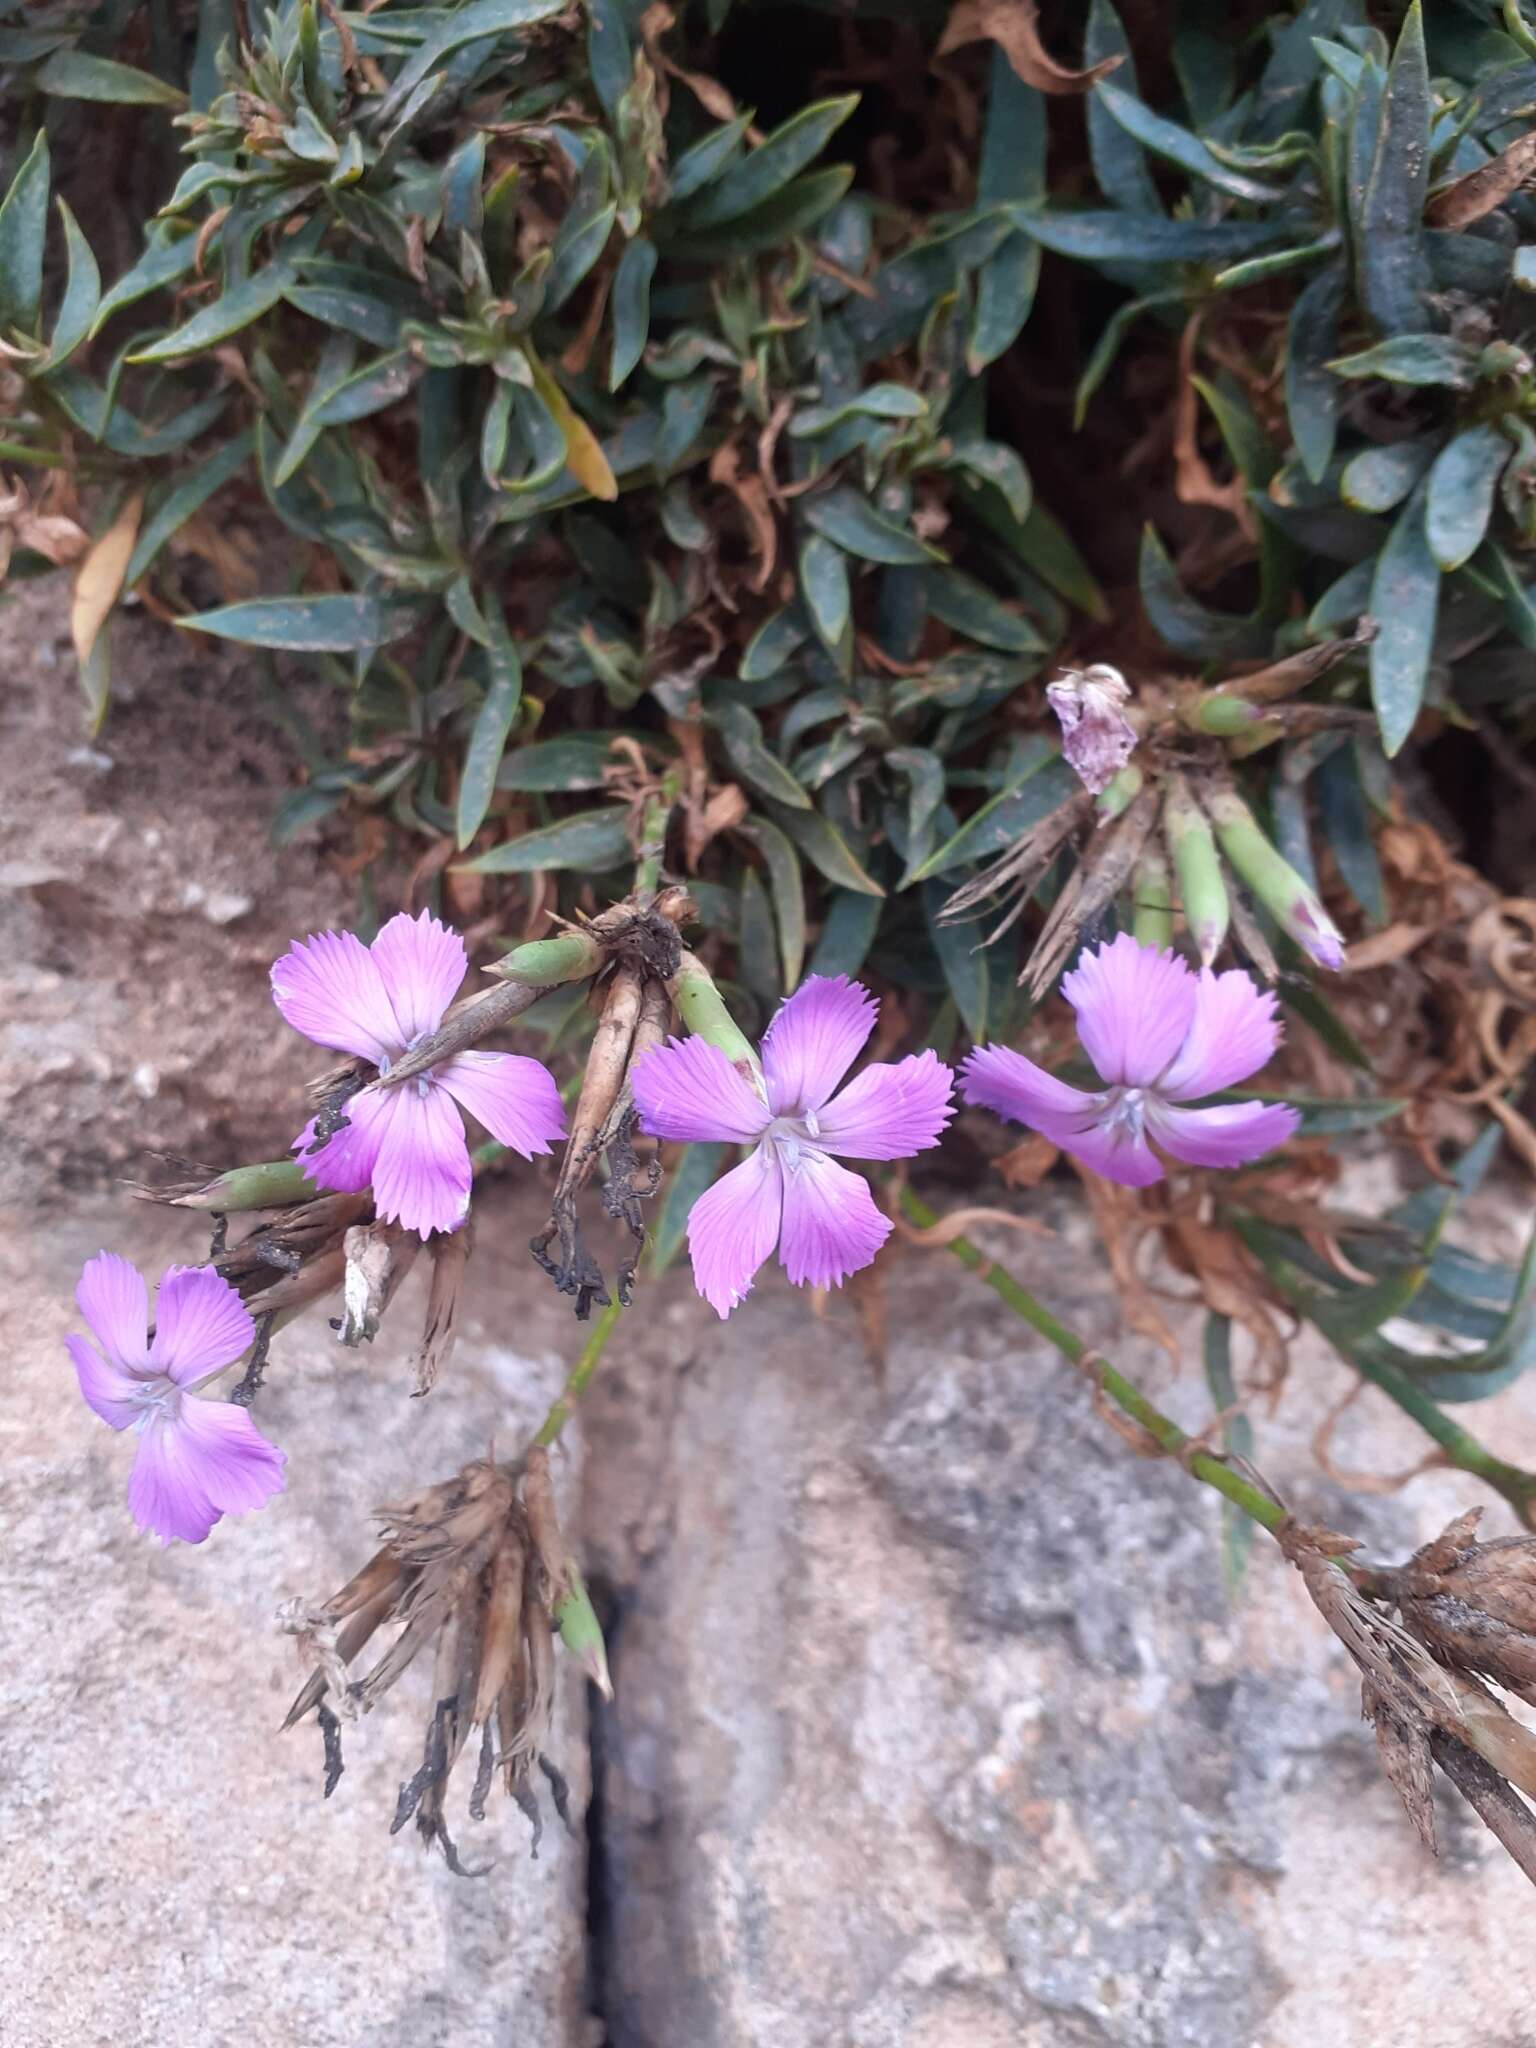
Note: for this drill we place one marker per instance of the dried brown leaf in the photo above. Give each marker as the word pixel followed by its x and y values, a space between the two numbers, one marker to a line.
pixel 1014 26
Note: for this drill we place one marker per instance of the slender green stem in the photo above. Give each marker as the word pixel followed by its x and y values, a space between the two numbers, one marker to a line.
pixel 1126 1395
pixel 576 1385
pixel 1461 1448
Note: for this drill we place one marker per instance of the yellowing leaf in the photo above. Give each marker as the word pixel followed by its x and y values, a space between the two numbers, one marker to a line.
pixel 99 579
pixel 583 453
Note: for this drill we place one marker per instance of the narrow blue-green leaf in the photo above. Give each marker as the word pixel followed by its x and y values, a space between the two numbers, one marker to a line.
pixel 963 959
pixel 371 389
pixel 775 640
pixel 23 230
pixel 82 293
pixel 76 75
pixel 1181 621
pixel 610 57
pixel 576 761
pixel 1459 502
pixel 313 625
pixel 787 891
pixel 846 517
pixel 847 933
pixel 161 264
pixel 1390 263
pixel 1405 601
pixel 493 721
pixel 593 841
pixel 631 305
pixel 963 603
pixel 1147 238
pixel 1119 162
pixel 1342 602
pixel 708 157
pixel 1005 817
pixel 1378 479
pixel 451 32
pixel 694 1173
pixel 1256 456
pixel 1107 347
pixel 1425 359
pixel 770 167
pixel 824 585
pixel 1346 823
pixel 794 210
pixel 879 401
pixel 231 311
pixel 757 961
pixel 192 491
pixel 1005 292
pixel 994 463
pixel 574 255
pixel 826 849
pixel 1013 140
pixel 1167 139
pixel 742 738
pixel 1237 1439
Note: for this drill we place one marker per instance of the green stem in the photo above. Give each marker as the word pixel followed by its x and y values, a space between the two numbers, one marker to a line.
pixel 1127 1396
pixel 576 1385
pixel 1461 1448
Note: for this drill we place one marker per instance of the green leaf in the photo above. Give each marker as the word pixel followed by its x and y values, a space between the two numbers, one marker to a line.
pixel 631 306
pixel 1424 359
pixel 82 293
pixel 1167 139
pixel 575 253
pixel 493 721
pixel 76 75
pixel 850 520
pixel 787 890
pixel 181 499
pixel 791 212
pixel 1108 345
pixel 1392 270
pixel 311 625
pixel 1237 1440
pixel 1311 391
pixel 463 25
pixel 742 738
pixel 1346 823
pixel 879 401
pixel 610 57
pixel 1005 293
pixel 847 934
pixel 1119 162
pixel 575 762
pixel 1459 502
pixel 693 1174
pixel 963 603
pixel 708 157
pixel 826 849
pixel 232 310
pixel 1182 622
pixel 925 775
pixel 23 230
pixel 1013 141
pixel 767 169
pixel 963 960
pixel 161 263
pixel 1146 238
pixel 1047 784
pixel 593 841
pixel 1379 479
pixel 1405 601
pixel 824 584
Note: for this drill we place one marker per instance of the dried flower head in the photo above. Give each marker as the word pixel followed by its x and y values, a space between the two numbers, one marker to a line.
pixel 474 1567
pixel 1096 736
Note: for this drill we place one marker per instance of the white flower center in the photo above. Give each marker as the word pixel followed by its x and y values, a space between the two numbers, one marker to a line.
pixel 1125 1113
pixel 793 1138
pixel 157 1400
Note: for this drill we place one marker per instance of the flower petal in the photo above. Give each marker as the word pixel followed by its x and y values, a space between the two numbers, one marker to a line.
pixel 207 1460
pixel 329 987
pixel 104 1387
pixel 1228 1136
pixel 1014 1086
pixel 889 1111
pixel 1096 736
pixel 1134 1004
pixel 1234 1032
pixel 515 1098
pixel 422 1176
pixel 1113 1150
pixel 114 1300
pixel 813 1041
pixel 201 1324
pixel 421 964
pixel 688 1089
pixel 831 1226
pixel 732 1228
pixel 238 1468
pixel 346 1160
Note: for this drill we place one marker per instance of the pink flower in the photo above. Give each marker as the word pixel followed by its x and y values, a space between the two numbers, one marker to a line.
pixel 1096 736
pixel 791 1192
pixel 1159 1037
pixel 407 1143
pixel 197 1460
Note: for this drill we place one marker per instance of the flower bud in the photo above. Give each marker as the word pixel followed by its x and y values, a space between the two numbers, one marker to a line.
pixel 577 1626
pixel 1202 886
pixel 1152 899
pixel 1284 893
pixel 276 1184
pixel 544 963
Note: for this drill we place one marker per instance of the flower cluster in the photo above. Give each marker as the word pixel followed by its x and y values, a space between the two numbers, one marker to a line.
pixel 1159 1037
